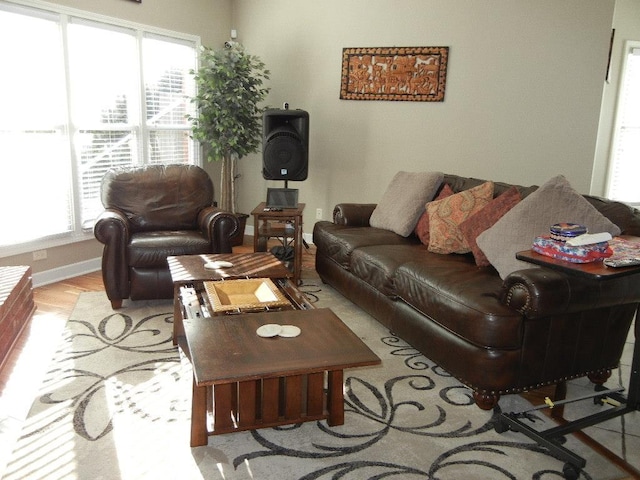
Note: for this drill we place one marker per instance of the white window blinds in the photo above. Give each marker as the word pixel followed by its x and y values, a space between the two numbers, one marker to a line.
pixel 624 163
pixel 79 96
pixel 35 172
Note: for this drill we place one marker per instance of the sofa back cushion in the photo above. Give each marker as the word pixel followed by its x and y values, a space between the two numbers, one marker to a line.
pixel 158 197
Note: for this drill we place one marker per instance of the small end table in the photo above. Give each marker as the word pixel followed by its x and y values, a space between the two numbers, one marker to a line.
pixel 285 224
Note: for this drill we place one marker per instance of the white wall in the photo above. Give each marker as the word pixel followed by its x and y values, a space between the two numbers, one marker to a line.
pixel 207 18
pixel 522 102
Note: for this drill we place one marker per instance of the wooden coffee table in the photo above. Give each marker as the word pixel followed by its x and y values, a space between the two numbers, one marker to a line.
pixel 252 382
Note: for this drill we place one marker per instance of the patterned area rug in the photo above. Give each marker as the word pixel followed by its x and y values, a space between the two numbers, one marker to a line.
pixel 116 404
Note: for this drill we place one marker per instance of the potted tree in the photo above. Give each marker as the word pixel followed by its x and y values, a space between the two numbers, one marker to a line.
pixel 229 119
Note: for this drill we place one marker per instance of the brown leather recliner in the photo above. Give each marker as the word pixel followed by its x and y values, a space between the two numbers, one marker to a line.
pixel 152 212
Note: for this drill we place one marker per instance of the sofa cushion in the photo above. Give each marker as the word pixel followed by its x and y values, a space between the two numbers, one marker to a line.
pixel 486 218
pixel 447 214
pixel 554 202
pixel 377 264
pixel 339 241
pixel 422 227
pixel 453 292
pixel 404 200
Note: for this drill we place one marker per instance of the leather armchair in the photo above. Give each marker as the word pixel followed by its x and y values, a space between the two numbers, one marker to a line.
pixel 152 212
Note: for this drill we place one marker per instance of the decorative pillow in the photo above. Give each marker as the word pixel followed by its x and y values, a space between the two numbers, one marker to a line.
pixel 554 202
pixel 447 214
pixel 485 218
pixel 403 201
pixel 422 228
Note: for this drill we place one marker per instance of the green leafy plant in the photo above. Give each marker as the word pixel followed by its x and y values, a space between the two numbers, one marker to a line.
pixel 229 119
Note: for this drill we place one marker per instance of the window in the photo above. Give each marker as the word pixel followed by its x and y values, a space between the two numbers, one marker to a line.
pixel 624 163
pixel 85 94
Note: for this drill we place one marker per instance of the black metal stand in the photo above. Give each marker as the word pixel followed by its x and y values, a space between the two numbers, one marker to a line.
pixel 552 438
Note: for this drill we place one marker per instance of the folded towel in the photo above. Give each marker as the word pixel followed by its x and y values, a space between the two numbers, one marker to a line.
pixel 589 239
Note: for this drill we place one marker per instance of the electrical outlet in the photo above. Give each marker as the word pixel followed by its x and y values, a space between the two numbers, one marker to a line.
pixel 40 255
pixel 318 214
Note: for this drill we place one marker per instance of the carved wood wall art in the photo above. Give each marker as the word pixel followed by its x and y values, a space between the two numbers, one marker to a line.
pixel 414 74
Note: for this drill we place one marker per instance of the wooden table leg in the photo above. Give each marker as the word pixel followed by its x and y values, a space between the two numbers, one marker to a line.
pixel 199 432
pixel 335 398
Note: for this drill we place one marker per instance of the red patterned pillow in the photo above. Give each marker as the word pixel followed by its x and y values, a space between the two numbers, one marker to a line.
pixel 422 227
pixel 447 214
pixel 485 218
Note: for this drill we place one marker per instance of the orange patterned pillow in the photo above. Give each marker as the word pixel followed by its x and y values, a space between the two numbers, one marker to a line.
pixel 447 214
pixel 422 227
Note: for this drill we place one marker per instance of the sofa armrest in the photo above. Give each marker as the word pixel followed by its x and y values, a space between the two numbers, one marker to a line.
pixel 218 226
pixel 112 229
pixel 540 292
pixel 353 214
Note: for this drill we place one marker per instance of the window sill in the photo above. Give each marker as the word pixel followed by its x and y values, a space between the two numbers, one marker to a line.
pixel 66 239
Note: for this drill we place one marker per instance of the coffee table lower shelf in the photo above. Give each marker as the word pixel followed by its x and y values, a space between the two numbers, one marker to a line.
pixel 264 403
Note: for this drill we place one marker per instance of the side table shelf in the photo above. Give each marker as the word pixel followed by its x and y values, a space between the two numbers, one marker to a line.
pixel 286 225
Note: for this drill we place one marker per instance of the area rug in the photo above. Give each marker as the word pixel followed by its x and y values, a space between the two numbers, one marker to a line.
pixel 116 404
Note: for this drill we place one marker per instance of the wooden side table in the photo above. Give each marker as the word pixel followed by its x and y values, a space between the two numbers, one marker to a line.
pixel 286 225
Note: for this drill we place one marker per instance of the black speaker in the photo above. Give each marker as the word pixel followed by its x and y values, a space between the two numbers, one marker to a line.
pixel 285 144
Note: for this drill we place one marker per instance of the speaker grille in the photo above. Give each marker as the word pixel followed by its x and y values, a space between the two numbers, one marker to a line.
pixel 284 156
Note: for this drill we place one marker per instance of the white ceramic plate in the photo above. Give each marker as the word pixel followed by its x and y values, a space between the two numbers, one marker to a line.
pixel 269 330
pixel 289 331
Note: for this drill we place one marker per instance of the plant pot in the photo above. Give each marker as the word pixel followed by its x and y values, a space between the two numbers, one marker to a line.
pixel 238 239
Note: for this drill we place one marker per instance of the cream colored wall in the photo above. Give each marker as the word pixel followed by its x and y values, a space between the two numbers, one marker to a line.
pixel 522 101
pixel 627 25
pixel 207 18
pixel 210 19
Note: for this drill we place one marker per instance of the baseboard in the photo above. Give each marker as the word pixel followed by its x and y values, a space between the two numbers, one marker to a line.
pixel 67 271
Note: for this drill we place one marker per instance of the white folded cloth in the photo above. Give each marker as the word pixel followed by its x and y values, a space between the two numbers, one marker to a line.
pixel 589 239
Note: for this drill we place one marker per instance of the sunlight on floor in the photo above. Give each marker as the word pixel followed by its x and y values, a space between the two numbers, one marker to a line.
pixel 50 453
pixel 136 406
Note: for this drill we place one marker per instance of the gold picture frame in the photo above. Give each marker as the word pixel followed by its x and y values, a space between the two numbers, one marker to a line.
pixel 414 74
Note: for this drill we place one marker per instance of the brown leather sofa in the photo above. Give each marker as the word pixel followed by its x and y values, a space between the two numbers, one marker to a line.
pixel 537 327
pixel 152 212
